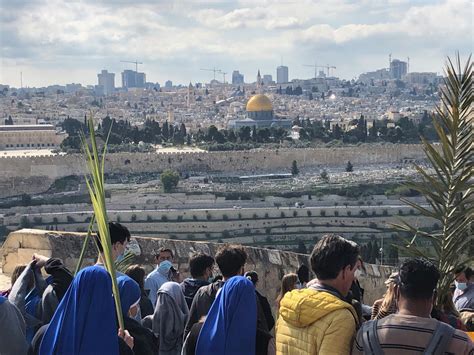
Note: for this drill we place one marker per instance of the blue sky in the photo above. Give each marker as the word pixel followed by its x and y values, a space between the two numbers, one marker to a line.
pixel 52 41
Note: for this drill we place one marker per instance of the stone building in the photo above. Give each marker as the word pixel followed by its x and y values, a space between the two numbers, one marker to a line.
pixel 30 136
pixel 260 114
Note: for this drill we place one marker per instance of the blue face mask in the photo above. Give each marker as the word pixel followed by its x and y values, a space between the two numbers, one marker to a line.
pixel 164 267
pixel 461 286
pixel 119 258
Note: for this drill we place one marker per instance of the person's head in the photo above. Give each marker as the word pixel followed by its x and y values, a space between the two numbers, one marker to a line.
pixel 288 283
pixel 252 276
pixel 17 272
pixel 334 260
pixel 230 326
pixel 200 266
pixel 390 295
pixel 129 295
pixel 462 276
pixel 303 274
pixel 85 320
pixel 231 260
pixel 119 238
pixel 446 304
pixel 164 254
pixel 416 287
pixel 137 273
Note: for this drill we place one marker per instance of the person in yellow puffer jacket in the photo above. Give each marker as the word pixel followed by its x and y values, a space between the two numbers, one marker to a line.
pixel 319 320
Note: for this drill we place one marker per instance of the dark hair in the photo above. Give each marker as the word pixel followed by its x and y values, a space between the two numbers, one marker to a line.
pixel 217 278
pixel 464 269
pixel 303 274
pixel 252 276
pixel 230 259
pixel 163 250
pixel 418 278
pixel 198 264
pixel 118 234
pixel 137 273
pixel 332 254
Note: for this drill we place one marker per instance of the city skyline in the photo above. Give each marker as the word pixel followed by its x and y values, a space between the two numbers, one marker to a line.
pixel 53 42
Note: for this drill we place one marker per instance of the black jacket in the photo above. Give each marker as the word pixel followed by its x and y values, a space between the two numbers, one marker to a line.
pixel 190 287
pixel 201 304
pixel 144 341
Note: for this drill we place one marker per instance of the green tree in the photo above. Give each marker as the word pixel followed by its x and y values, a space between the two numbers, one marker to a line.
pixel 169 179
pixel 349 167
pixel 448 190
pixel 324 175
pixel 294 168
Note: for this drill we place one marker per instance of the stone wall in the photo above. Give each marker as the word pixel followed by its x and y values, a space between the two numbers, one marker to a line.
pixel 270 264
pixel 34 174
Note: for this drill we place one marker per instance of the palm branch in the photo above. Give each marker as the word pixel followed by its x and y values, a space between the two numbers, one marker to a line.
pixel 448 189
pixel 95 185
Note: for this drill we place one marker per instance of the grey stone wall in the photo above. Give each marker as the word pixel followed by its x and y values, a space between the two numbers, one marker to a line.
pixel 270 264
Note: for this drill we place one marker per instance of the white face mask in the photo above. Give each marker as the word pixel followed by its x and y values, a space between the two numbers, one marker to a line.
pixel 357 273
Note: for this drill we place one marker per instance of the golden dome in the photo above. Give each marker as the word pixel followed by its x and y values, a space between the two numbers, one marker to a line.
pixel 259 103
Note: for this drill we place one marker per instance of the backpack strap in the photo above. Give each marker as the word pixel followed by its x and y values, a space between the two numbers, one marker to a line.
pixel 440 339
pixel 370 338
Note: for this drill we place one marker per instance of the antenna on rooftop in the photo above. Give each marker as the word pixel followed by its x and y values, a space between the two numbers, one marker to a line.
pixel 408 64
pixel 21 80
pixel 389 60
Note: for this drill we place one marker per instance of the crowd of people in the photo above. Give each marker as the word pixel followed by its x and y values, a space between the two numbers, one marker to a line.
pixel 219 310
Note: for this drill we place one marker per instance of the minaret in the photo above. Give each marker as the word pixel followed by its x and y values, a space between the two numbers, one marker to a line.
pixel 259 82
pixel 190 93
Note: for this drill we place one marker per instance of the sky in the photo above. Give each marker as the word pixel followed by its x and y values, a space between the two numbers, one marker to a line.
pixel 59 42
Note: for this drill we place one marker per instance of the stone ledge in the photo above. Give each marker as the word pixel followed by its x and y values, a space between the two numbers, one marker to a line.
pixel 270 264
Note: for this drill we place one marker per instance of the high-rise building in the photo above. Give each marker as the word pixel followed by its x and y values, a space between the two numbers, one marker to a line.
pixel 398 69
pixel 282 74
pixel 133 79
pixel 107 81
pixel 237 78
pixel 168 84
pixel 267 79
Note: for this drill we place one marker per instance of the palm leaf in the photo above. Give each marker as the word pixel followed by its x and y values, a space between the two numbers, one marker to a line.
pixel 448 190
pixel 84 245
pixel 95 185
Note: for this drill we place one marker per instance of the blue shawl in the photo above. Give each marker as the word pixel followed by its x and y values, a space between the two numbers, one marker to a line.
pixel 231 324
pixel 129 293
pixel 85 320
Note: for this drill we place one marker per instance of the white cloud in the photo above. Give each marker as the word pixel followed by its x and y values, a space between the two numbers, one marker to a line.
pixel 164 33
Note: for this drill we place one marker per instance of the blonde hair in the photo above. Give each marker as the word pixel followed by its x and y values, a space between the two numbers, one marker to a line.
pixel 287 284
pixel 388 298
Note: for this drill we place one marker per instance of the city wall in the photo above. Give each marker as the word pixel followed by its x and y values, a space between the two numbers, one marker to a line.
pixel 35 174
pixel 270 264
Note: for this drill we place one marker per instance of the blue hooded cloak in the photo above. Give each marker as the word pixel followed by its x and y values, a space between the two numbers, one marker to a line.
pixel 129 293
pixel 231 324
pixel 85 320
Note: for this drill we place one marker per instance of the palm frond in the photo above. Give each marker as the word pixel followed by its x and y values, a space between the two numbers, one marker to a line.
pixel 448 190
pixel 95 186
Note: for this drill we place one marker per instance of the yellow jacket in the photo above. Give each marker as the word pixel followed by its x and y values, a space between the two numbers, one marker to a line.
pixel 314 322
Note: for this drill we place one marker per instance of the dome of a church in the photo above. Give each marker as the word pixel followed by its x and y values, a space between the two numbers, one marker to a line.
pixel 259 103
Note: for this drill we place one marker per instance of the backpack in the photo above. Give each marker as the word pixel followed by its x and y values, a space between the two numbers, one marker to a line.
pixel 437 345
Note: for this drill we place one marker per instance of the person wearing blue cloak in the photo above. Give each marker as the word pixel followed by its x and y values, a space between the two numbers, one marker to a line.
pixel 144 340
pixel 231 324
pixel 85 320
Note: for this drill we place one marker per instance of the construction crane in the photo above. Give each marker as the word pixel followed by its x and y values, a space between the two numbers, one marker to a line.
pixel 223 74
pixel 214 70
pixel 135 62
pixel 329 67
pixel 315 66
